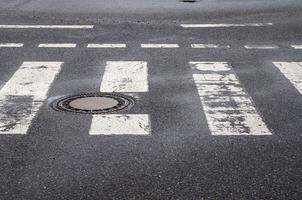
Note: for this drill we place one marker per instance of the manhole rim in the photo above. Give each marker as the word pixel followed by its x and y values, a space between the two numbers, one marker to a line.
pixel 125 102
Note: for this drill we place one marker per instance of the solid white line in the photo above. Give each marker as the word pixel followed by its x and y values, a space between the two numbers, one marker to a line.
pixel 57 45
pixel 120 124
pixel 228 108
pixel 125 76
pixel 106 46
pixel 23 95
pixel 292 71
pixel 46 26
pixel 261 47
pixel 209 46
pixel 296 46
pixel 11 45
pixel 159 45
pixel 224 25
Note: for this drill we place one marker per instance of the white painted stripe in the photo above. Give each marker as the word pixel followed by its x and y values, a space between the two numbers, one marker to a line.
pixel 23 95
pixel 106 46
pixel 296 46
pixel 224 25
pixel 120 124
pixel 11 45
pixel 46 26
pixel 261 47
pixel 125 76
pixel 293 72
pixel 209 46
pixel 228 108
pixel 57 45
pixel 159 45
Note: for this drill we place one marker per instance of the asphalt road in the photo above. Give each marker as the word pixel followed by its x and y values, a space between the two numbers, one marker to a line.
pixel 180 153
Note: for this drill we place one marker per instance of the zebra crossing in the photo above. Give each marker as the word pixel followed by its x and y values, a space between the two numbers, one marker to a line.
pixel 228 108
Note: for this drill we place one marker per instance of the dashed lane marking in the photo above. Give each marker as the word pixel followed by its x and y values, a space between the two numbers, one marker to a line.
pixel 46 26
pixel 23 95
pixel 292 71
pixel 228 108
pixel 160 46
pixel 106 46
pixel 224 25
pixel 57 45
pixel 296 46
pixel 210 46
pixel 261 47
pixel 11 45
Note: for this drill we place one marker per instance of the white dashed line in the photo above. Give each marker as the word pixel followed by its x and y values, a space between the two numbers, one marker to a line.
pixel 296 46
pixel 160 46
pixel 293 72
pixel 106 46
pixel 261 47
pixel 125 76
pixel 23 95
pixel 46 26
pixel 228 108
pixel 57 45
pixel 224 25
pixel 11 45
pixel 209 46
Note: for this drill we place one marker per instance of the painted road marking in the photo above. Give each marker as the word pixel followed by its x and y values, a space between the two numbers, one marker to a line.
pixel 125 76
pixel 106 46
pixel 261 47
pixel 23 95
pixel 120 124
pixel 209 46
pixel 224 25
pixel 57 45
pixel 46 26
pixel 160 46
pixel 11 45
pixel 296 46
pixel 292 71
pixel 228 108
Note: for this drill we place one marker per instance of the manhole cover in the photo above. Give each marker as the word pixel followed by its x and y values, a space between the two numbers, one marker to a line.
pixel 94 103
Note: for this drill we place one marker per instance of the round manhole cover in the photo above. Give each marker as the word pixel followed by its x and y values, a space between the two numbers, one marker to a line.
pixel 94 103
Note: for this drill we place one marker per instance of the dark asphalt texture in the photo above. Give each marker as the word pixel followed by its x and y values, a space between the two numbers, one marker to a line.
pixel 58 159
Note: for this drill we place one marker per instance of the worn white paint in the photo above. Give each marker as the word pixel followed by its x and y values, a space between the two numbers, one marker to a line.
pixel 23 95
pixel 209 46
pixel 11 45
pixel 296 46
pixel 164 46
pixel 57 45
pixel 293 72
pixel 120 124
pixel 125 76
pixel 106 46
pixel 46 26
pixel 224 25
pixel 228 108
pixel 261 46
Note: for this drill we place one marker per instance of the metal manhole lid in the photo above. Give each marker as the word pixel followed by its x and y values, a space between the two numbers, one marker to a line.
pixel 94 103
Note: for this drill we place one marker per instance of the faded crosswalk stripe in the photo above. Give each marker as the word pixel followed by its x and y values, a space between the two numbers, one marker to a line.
pixel 228 108
pixel 123 77
pixel 293 72
pixel 22 96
